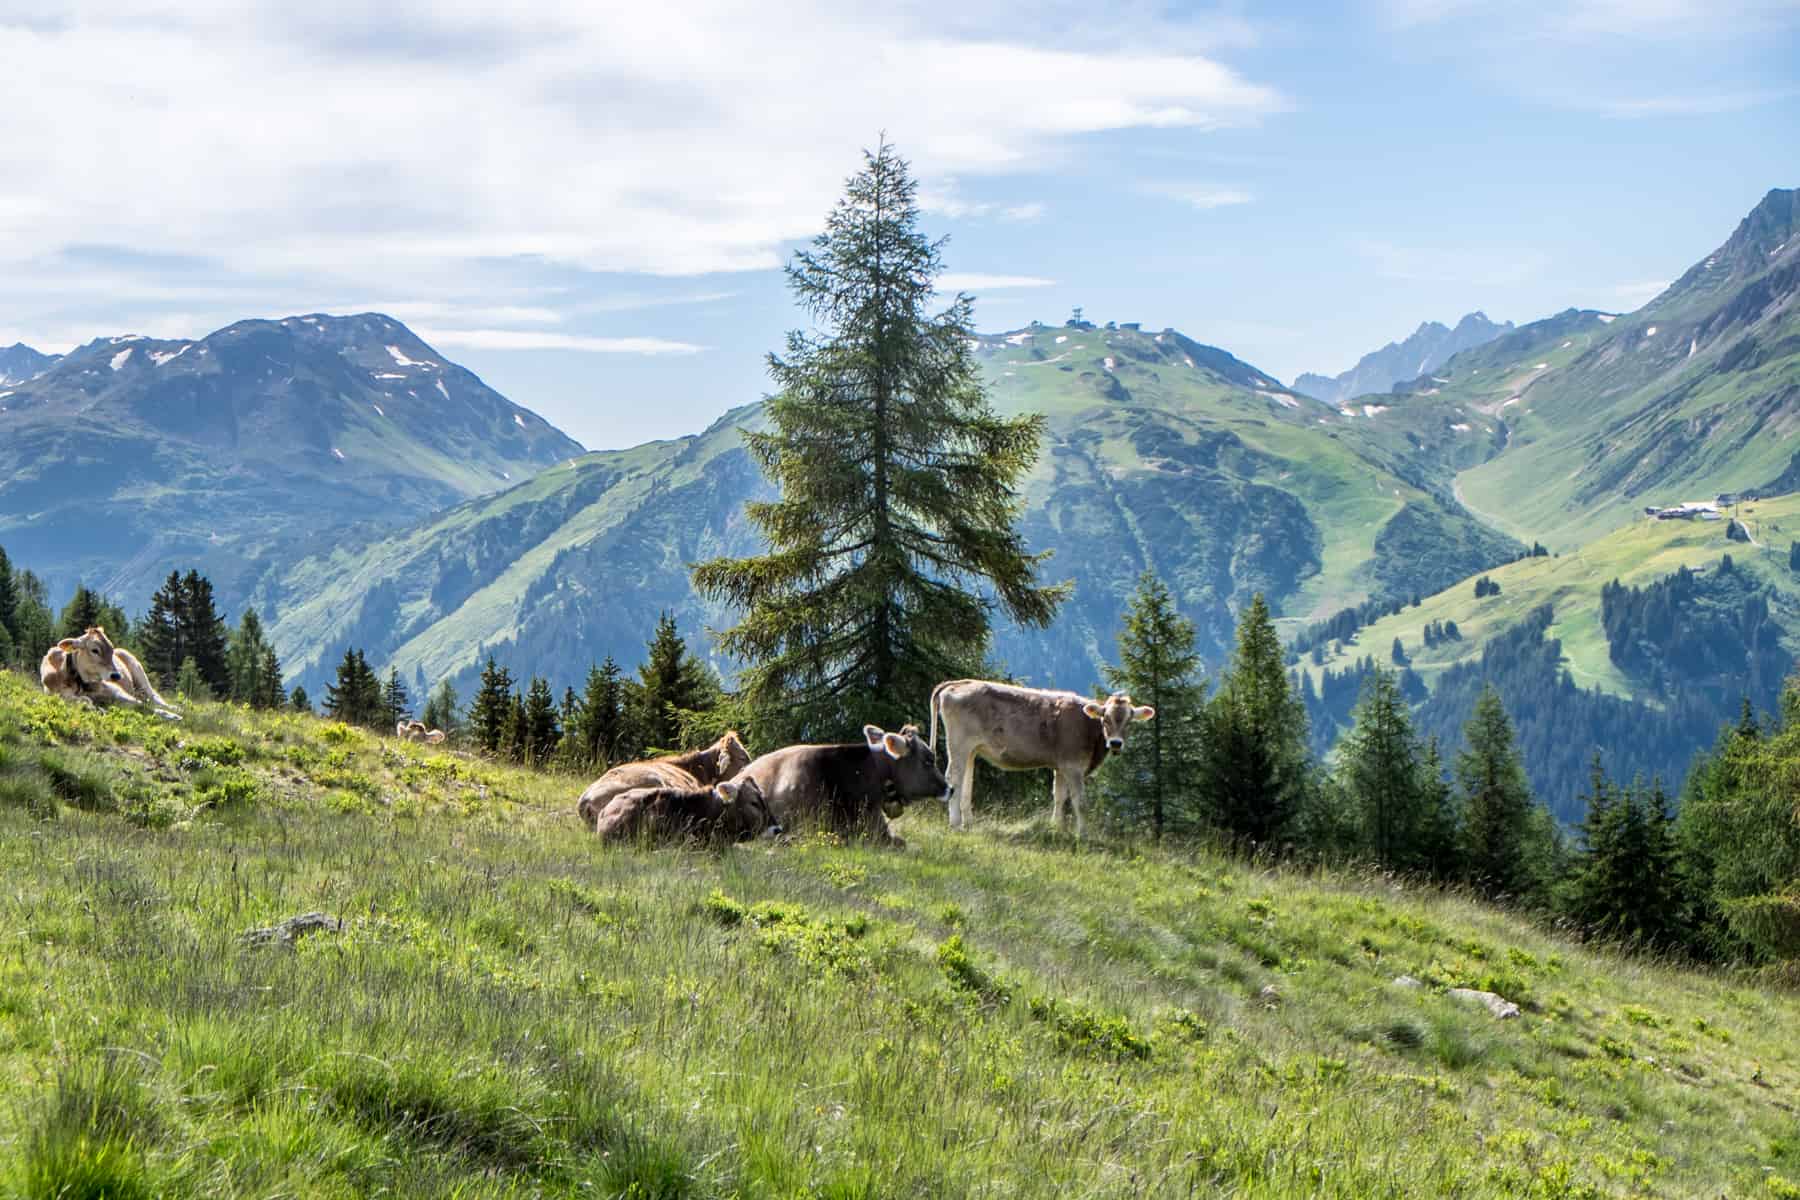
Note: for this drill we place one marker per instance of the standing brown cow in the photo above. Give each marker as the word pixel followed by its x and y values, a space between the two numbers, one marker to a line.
pixel 1027 729
pixel 689 772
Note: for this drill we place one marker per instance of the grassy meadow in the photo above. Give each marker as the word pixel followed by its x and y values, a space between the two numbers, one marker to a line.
pixel 511 1010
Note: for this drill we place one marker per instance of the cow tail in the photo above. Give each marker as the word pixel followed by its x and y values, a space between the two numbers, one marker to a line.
pixel 931 728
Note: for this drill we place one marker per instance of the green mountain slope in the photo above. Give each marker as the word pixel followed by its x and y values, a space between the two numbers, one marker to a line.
pixel 132 455
pixel 1697 393
pixel 1161 453
pixel 510 1010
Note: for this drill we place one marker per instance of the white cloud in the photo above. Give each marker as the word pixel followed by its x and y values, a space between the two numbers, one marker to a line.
pixel 1483 266
pixel 353 146
pixel 1203 196
pixel 1636 295
pixel 531 339
pixel 951 281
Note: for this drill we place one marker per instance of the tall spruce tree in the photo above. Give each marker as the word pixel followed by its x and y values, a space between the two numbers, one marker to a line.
pixel 670 681
pixel 1379 767
pixel 898 485
pixel 1625 884
pixel 1158 666
pixel 396 705
pixel 542 730
pixel 1253 761
pixel 165 632
pixel 82 613
pixel 204 632
pixel 600 722
pixel 9 600
pixel 1440 832
pixel 491 709
pixel 1496 802
pixel 354 697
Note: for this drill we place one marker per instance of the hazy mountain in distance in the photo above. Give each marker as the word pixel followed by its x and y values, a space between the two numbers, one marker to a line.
pixel 1428 347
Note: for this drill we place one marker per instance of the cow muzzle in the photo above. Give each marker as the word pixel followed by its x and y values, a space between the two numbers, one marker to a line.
pixel 1115 743
pixel 115 677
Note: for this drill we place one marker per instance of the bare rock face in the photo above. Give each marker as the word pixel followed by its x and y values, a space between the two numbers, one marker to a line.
pixel 1499 1006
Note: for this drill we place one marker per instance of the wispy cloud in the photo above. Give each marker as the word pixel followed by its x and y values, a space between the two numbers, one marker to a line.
pixel 1202 196
pixel 952 281
pixel 528 339
pixel 1483 266
pixel 1636 295
pixel 1687 105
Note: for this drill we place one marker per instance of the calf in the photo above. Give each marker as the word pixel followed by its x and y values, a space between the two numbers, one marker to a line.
pixel 1027 729
pixel 849 788
pixel 733 811
pixel 92 669
pixel 689 772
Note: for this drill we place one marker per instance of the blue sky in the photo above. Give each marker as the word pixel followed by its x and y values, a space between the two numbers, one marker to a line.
pixel 589 206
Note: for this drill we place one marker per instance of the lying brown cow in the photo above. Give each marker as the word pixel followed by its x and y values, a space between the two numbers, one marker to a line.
pixel 92 669
pixel 418 731
pixel 733 811
pixel 1027 729
pixel 848 788
pixel 689 772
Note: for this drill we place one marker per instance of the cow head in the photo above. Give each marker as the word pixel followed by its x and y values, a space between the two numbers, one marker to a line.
pixel 1114 715
pixel 746 812
pixel 729 755
pixel 914 772
pixel 91 655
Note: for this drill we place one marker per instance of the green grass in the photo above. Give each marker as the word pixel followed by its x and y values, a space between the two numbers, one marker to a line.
pixel 1639 552
pixel 513 1010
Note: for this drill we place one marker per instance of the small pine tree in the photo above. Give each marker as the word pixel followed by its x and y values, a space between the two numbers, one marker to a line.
pixel 81 614
pixel 1379 768
pixel 599 729
pixel 1159 667
pixel 1398 654
pixel 441 710
pixel 354 697
pixel 299 701
pixel 542 729
pixel 203 632
pixel 246 658
pixel 190 683
pixel 491 708
pixel 1496 801
pixel 518 729
pixel 269 692
pixel 670 682
pixel 1440 838
pixel 1626 882
pixel 1253 764
pixel 396 705
pixel 9 600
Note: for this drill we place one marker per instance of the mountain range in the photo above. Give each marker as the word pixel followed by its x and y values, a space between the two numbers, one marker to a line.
pixel 19 362
pixel 240 451
pixel 362 490
pixel 1426 349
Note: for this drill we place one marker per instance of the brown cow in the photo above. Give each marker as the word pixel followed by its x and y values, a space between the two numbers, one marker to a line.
pixel 1027 729
pixel 733 811
pixel 849 787
pixel 418 731
pixel 690 772
pixel 92 669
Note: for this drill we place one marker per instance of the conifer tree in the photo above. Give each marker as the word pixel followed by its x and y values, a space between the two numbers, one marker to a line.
pixel 1379 766
pixel 1440 831
pixel 1158 666
pixel 9 653
pixel 600 727
pixel 299 701
pixel 82 613
pixel 1625 883
pixel 1253 761
pixel 1496 802
pixel 9 600
pixel 34 629
pixel 248 661
pixel 190 683
pixel 269 693
pixel 203 631
pixel 396 705
pixel 899 499
pixel 354 697
pixel 518 729
pixel 165 635
pixel 441 710
pixel 670 681
pixel 542 730
pixel 492 708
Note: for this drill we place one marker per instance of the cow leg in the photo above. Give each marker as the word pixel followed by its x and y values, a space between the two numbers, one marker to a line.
pixel 1058 786
pixel 962 794
pixel 1077 793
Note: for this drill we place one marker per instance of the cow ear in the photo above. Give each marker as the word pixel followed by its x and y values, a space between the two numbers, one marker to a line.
pixel 66 645
pixel 1093 710
pixel 1146 713
pixel 727 791
pixel 895 745
pixel 873 735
